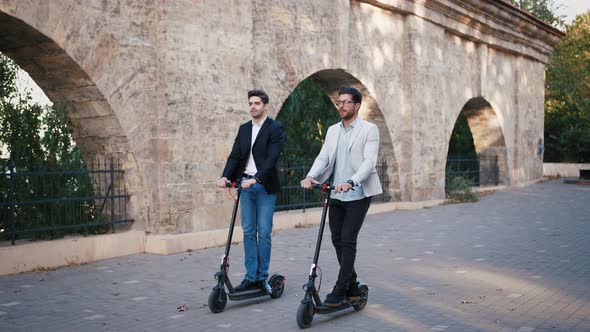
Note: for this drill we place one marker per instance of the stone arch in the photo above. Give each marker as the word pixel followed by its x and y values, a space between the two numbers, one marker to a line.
pixel 330 80
pixel 489 141
pixel 97 130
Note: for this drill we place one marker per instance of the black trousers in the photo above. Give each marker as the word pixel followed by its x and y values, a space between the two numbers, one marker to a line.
pixel 346 219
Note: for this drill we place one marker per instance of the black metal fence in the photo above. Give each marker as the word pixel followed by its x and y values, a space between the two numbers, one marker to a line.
pixel 480 171
pixel 52 203
pixel 48 203
pixel 293 197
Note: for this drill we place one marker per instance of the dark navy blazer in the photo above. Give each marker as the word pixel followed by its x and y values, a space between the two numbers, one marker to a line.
pixel 266 151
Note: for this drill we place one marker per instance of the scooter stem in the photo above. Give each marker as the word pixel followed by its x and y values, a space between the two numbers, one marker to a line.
pixel 321 232
pixel 233 221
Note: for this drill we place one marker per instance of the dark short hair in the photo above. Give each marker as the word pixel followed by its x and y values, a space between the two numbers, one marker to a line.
pixel 357 96
pixel 258 93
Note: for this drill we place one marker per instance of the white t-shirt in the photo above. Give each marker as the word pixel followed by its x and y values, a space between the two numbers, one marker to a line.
pixel 251 165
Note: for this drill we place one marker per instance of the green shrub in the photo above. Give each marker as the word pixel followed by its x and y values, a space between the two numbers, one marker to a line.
pixel 459 189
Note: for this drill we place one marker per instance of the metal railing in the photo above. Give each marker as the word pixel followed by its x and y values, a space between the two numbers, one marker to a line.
pixel 480 171
pixel 293 197
pixel 46 203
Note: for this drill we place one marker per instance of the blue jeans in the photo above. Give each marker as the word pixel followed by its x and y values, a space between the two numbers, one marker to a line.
pixel 257 208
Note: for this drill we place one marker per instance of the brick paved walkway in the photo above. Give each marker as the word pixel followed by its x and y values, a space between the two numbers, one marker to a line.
pixel 518 260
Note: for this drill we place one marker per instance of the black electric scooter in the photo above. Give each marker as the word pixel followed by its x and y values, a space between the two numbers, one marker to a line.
pixel 311 303
pixel 218 296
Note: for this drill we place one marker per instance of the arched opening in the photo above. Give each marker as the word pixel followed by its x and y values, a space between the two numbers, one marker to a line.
pixel 477 149
pixel 311 104
pixel 97 131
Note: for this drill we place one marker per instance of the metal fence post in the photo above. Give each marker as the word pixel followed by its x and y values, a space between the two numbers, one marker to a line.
pixel 478 164
pixel 382 169
pixel 12 205
pixel 496 170
pixel 112 196
pixel 304 197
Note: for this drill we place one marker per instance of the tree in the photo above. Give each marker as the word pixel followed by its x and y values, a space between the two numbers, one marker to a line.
pixel 461 166
pixel 306 114
pixel 567 96
pixel 33 135
pixel 461 143
pixel 38 138
pixel 545 10
pixel 19 119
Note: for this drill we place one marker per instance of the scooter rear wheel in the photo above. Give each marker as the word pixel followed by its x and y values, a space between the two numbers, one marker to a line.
pixel 217 300
pixel 305 314
pixel 277 283
pixel 360 305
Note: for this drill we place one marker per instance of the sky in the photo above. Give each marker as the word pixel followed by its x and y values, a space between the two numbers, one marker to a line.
pixel 571 8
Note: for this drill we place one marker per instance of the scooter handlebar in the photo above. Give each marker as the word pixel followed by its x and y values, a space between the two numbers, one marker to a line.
pixel 323 186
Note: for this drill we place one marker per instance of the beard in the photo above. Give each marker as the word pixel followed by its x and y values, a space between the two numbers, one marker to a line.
pixel 346 115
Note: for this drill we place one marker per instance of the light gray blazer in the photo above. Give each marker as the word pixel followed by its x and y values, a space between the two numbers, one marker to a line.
pixel 363 147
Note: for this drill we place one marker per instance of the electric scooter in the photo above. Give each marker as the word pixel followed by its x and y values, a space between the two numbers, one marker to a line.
pixel 218 297
pixel 311 303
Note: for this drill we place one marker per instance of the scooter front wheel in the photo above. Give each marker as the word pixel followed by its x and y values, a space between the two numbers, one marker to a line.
pixel 277 283
pixel 217 300
pixel 305 314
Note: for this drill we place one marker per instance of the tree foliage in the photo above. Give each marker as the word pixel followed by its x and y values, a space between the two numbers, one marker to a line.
pixel 567 96
pixel 33 135
pixel 545 10
pixel 38 138
pixel 307 113
pixel 567 86
pixel 461 157
pixel 461 143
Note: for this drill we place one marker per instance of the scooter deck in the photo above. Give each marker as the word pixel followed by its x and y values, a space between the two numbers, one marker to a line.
pixel 349 302
pixel 248 294
pixel 328 310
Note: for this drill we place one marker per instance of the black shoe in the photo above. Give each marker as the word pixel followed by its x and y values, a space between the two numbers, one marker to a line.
pixel 337 297
pixel 354 292
pixel 247 285
pixel 334 299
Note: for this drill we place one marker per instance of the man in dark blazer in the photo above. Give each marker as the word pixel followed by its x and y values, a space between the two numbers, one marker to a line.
pixel 253 162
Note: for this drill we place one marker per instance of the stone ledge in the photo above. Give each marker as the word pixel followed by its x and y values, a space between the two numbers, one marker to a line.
pixel 569 170
pixel 48 255
pixel 492 22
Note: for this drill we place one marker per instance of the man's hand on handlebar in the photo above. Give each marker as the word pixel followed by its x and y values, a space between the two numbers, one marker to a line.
pixel 308 182
pixel 343 187
pixel 222 183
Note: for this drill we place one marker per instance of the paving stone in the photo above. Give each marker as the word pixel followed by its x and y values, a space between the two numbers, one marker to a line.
pixel 479 277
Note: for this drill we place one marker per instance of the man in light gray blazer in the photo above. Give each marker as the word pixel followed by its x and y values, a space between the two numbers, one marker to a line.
pixel 348 157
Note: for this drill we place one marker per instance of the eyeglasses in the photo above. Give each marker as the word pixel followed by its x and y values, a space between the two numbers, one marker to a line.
pixel 344 102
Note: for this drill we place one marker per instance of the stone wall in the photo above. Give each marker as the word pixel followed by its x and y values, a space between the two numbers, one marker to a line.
pixel 162 84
